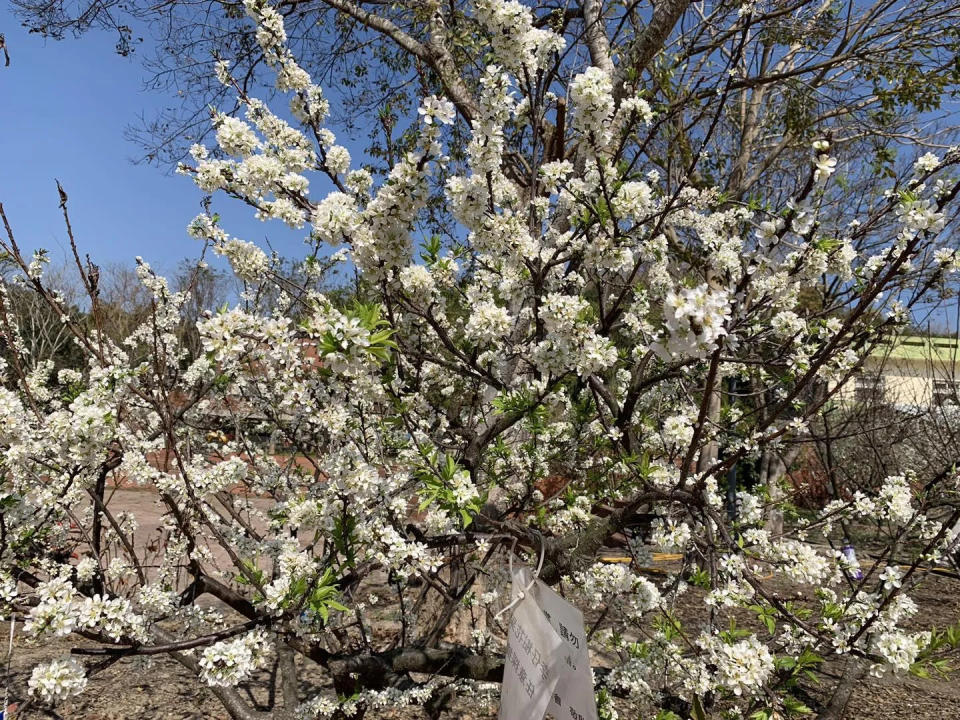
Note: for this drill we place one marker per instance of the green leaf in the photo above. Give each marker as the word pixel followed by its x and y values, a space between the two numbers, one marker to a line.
pixel 794 706
pixel 698 712
pixel 667 715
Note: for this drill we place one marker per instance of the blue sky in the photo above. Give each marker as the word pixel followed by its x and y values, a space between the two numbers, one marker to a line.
pixel 63 109
pixel 64 106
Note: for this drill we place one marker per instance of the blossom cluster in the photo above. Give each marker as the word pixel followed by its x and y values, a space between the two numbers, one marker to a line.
pixel 537 363
pixel 57 680
pixel 229 662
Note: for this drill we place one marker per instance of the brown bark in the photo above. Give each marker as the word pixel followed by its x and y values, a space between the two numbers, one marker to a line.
pixel 852 674
pixel 666 14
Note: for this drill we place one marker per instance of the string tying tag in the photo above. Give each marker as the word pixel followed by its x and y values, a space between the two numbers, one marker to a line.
pixel 523 593
pixel 6 682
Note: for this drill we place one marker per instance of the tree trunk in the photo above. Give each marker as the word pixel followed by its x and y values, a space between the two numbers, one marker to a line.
pixel 773 468
pixel 852 674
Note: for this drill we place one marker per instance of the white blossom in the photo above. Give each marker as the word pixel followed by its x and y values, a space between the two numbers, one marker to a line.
pixel 57 680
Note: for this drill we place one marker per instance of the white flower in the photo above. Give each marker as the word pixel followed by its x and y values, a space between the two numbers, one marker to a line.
pixel 616 585
pixel 894 502
pixel 515 40
pixel 233 661
pixel 825 167
pixel 677 431
pixel 632 199
pixel 463 488
pixel 335 218
pixel 488 322
pixel 86 569
pixel 434 108
pixel 57 680
pixel 591 93
pixel 767 232
pixel 8 588
pixel 891 577
pixel 210 175
pixel 743 667
pixel 900 649
pixel 249 262
pixel 291 76
pixel 309 106
pixel 359 181
pixel 222 71
pixel 695 320
pixel 800 561
pixel 787 324
pixel 235 136
pixel 155 601
pixel 338 159
pixel 803 218
pixel 635 105
pixel 417 281
pixel 920 214
pixel 670 536
pixel 927 162
pixel 553 172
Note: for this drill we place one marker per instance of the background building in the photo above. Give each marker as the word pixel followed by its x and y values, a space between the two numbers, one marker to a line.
pixel 914 371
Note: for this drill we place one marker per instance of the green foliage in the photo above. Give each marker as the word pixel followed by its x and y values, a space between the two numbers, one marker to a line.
pixel 697 710
pixel 790 670
pixel 795 707
pixel 930 661
pixel 883 162
pixel 430 253
pixel 803 613
pixel 523 403
pixel 799 110
pixel 605 710
pixel 902 82
pixel 766 614
pixel 343 537
pixel 669 625
pixel 252 574
pixel 700 578
pixel 322 598
pixel 733 634
pixel 907 196
pixel 368 315
pixel 804 664
pixel 317 596
pixel 832 611
pixel 438 481
pixel 667 715
pixel 71 392
pixel 827 244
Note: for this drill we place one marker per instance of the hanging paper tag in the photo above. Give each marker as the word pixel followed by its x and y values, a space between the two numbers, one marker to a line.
pixel 574 697
pixel 532 664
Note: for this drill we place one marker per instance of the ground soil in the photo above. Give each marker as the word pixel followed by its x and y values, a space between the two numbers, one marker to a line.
pixel 159 688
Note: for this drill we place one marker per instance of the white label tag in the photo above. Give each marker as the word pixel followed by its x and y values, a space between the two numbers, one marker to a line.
pixel 573 697
pixel 532 664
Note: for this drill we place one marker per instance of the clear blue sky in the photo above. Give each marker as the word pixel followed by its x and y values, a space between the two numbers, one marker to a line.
pixel 63 109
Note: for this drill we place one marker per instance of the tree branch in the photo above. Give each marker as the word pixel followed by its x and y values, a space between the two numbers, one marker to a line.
pixel 433 53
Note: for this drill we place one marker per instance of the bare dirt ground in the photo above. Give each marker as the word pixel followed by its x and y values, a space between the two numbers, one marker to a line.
pixel 159 688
